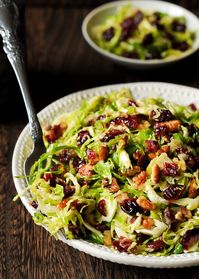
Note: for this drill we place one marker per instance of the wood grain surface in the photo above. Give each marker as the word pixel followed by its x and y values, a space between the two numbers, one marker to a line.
pixel 60 62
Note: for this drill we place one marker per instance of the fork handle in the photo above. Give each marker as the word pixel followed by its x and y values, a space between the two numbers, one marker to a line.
pixel 9 23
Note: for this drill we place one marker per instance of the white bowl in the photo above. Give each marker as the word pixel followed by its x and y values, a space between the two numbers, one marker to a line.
pixel 99 15
pixel 176 93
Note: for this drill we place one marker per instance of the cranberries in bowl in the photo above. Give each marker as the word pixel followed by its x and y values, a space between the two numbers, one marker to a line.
pixel 142 34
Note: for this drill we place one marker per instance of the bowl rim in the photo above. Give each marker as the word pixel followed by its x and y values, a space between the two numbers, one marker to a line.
pixel 132 61
pixel 173 261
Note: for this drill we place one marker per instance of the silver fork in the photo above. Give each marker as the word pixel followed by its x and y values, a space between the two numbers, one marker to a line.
pixel 9 22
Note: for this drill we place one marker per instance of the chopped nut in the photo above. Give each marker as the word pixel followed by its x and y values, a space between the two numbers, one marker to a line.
pixel 131 172
pixel 163 149
pixel 152 156
pixel 187 213
pixel 183 214
pixel 145 204
pixel 156 174
pixel 121 196
pixel 179 216
pixel 192 191
pixel 172 125
pixel 107 238
pixel 140 179
pixel 144 125
pixel 114 186
pixel 147 223
pixel 103 154
pixel 86 170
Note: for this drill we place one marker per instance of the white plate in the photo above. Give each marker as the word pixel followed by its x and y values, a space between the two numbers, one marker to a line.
pixel 99 15
pixel 176 93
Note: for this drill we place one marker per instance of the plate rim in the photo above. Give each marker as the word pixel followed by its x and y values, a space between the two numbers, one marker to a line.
pixel 172 261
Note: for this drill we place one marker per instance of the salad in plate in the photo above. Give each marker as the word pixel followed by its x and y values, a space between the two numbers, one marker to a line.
pixel 144 35
pixel 123 173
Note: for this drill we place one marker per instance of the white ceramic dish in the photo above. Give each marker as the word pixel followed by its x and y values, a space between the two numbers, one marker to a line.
pixel 98 16
pixel 175 93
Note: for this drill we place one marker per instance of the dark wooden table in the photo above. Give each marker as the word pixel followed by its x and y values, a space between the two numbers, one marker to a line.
pixel 60 62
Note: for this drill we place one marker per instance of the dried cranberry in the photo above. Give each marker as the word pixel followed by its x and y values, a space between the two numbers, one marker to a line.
pixel 182 150
pixel 77 205
pixel 162 115
pixel 169 217
pixel 77 163
pixel 122 244
pixel 178 27
pixel 193 107
pixel 190 238
pixel 128 23
pixel 82 137
pixel 173 192
pixel 182 46
pixel 130 206
pixel 34 204
pixel 153 54
pixel 160 26
pixel 66 155
pixel 101 117
pixel 125 34
pixel 101 227
pixel 50 178
pixel 192 163
pixel 101 207
pixel 132 121
pixel 141 238
pixel 156 245
pixel 148 39
pixel 141 159
pixel 76 231
pixel 138 17
pixel 170 169
pixel 54 133
pixel 192 129
pixel 151 146
pixel 117 121
pixel 132 54
pixel 111 134
pixel 108 34
pixel 132 103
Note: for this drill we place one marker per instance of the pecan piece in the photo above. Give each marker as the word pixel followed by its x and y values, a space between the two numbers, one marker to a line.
pixel 107 238
pixel 85 170
pixel 114 186
pixel 140 179
pixel 145 204
pixel 148 223
pixel 171 126
pixel 192 191
pixel 104 151
pixel 156 174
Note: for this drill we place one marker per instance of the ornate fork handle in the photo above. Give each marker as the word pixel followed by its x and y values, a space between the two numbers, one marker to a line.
pixel 9 22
